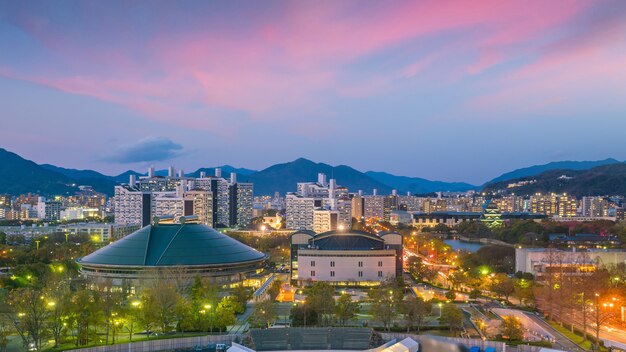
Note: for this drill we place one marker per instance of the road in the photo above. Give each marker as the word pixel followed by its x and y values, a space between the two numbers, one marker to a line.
pixel 561 340
pixel 607 332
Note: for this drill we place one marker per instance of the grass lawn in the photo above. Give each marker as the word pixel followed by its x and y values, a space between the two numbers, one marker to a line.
pixel 579 340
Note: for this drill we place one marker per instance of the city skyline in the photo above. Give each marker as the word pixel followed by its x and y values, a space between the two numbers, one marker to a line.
pixel 438 85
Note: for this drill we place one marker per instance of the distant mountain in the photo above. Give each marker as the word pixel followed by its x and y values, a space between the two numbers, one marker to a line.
pixel 418 185
pixel 19 176
pixel 283 177
pixel 558 165
pixel 124 177
pixel 226 170
pixel 602 180
pixel 74 173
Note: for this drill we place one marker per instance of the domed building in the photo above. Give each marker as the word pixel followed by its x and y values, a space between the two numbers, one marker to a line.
pixel 345 257
pixel 181 247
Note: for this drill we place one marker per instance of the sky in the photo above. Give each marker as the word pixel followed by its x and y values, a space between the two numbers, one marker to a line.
pixel 445 90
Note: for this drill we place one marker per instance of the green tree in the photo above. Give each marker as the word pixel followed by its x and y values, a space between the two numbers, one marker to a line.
pixel 474 293
pixel 320 298
pixel 386 302
pixel 161 300
pixel 346 309
pixel 30 314
pixel 242 295
pixel 415 309
pixel 450 295
pixel 303 315
pixel 225 313
pixel 274 289
pixel 263 314
pixel 511 329
pixel 5 332
pixel 502 285
pixel 452 316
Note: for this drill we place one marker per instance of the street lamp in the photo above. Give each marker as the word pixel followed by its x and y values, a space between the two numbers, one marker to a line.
pixel 135 305
pixel 440 308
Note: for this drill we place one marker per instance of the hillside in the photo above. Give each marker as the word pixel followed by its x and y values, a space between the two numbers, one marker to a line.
pixel 557 165
pixel 283 177
pixel 417 185
pixel 18 176
pixel 601 180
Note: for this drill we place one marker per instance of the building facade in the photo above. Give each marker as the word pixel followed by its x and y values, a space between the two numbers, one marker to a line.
pixel 345 257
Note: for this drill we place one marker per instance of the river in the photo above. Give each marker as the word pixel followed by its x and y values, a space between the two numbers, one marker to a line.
pixel 466 246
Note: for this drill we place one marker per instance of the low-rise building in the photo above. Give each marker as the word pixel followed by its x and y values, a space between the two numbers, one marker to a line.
pixel 542 261
pixel 345 257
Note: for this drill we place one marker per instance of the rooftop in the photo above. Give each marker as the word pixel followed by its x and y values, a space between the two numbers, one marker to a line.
pixel 174 244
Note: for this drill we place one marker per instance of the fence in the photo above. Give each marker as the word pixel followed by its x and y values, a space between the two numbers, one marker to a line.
pixel 165 344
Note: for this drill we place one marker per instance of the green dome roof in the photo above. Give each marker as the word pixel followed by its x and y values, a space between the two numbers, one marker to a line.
pixel 174 244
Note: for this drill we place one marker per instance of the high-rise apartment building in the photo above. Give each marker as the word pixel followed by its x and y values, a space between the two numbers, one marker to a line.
pixel 561 205
pixel 374 205
pixel 595 207
pixel 217 202
pixel 358 205
pixel 48 210
pixel 240 202
pixel 320 195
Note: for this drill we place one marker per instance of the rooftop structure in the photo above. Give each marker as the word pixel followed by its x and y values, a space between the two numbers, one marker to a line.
pixel 179 243
pixel 345 257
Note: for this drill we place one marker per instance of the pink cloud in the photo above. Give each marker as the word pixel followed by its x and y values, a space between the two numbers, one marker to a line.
pixel 295 60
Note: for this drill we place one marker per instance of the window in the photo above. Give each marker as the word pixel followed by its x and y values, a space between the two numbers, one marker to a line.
pixel 313 263
pixel 380 263
pixel 360 264
pixel 312 272
pixel 332 274
pixel 360 274
pixel 332 264
pixel 380 274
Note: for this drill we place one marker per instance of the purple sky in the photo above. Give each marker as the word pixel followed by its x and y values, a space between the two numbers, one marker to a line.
pixel 457 91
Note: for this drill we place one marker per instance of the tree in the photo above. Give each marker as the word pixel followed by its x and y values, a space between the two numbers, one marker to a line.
pixel 474 293
pixel 599 315
pixel 225 313
pixel 346 309
pixel 5 332
pixel 30 315
pixel 452 316
pixel 264 314
pixel 58 298
pixel 415 309
pixel 502 285
pixel 523 291
pixel 83 313
pixel 241 294
pixel 320 298
pixel 385 302
pixel 511 329
pixel 274 289
pixel 450 295
pixel 159 303
pixel 303 315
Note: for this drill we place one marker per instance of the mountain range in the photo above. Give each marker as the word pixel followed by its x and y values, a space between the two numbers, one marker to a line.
pixel 18 176
pixel 597 181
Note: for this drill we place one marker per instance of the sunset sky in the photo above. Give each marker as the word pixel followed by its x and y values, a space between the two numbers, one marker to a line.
pixel 456 91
